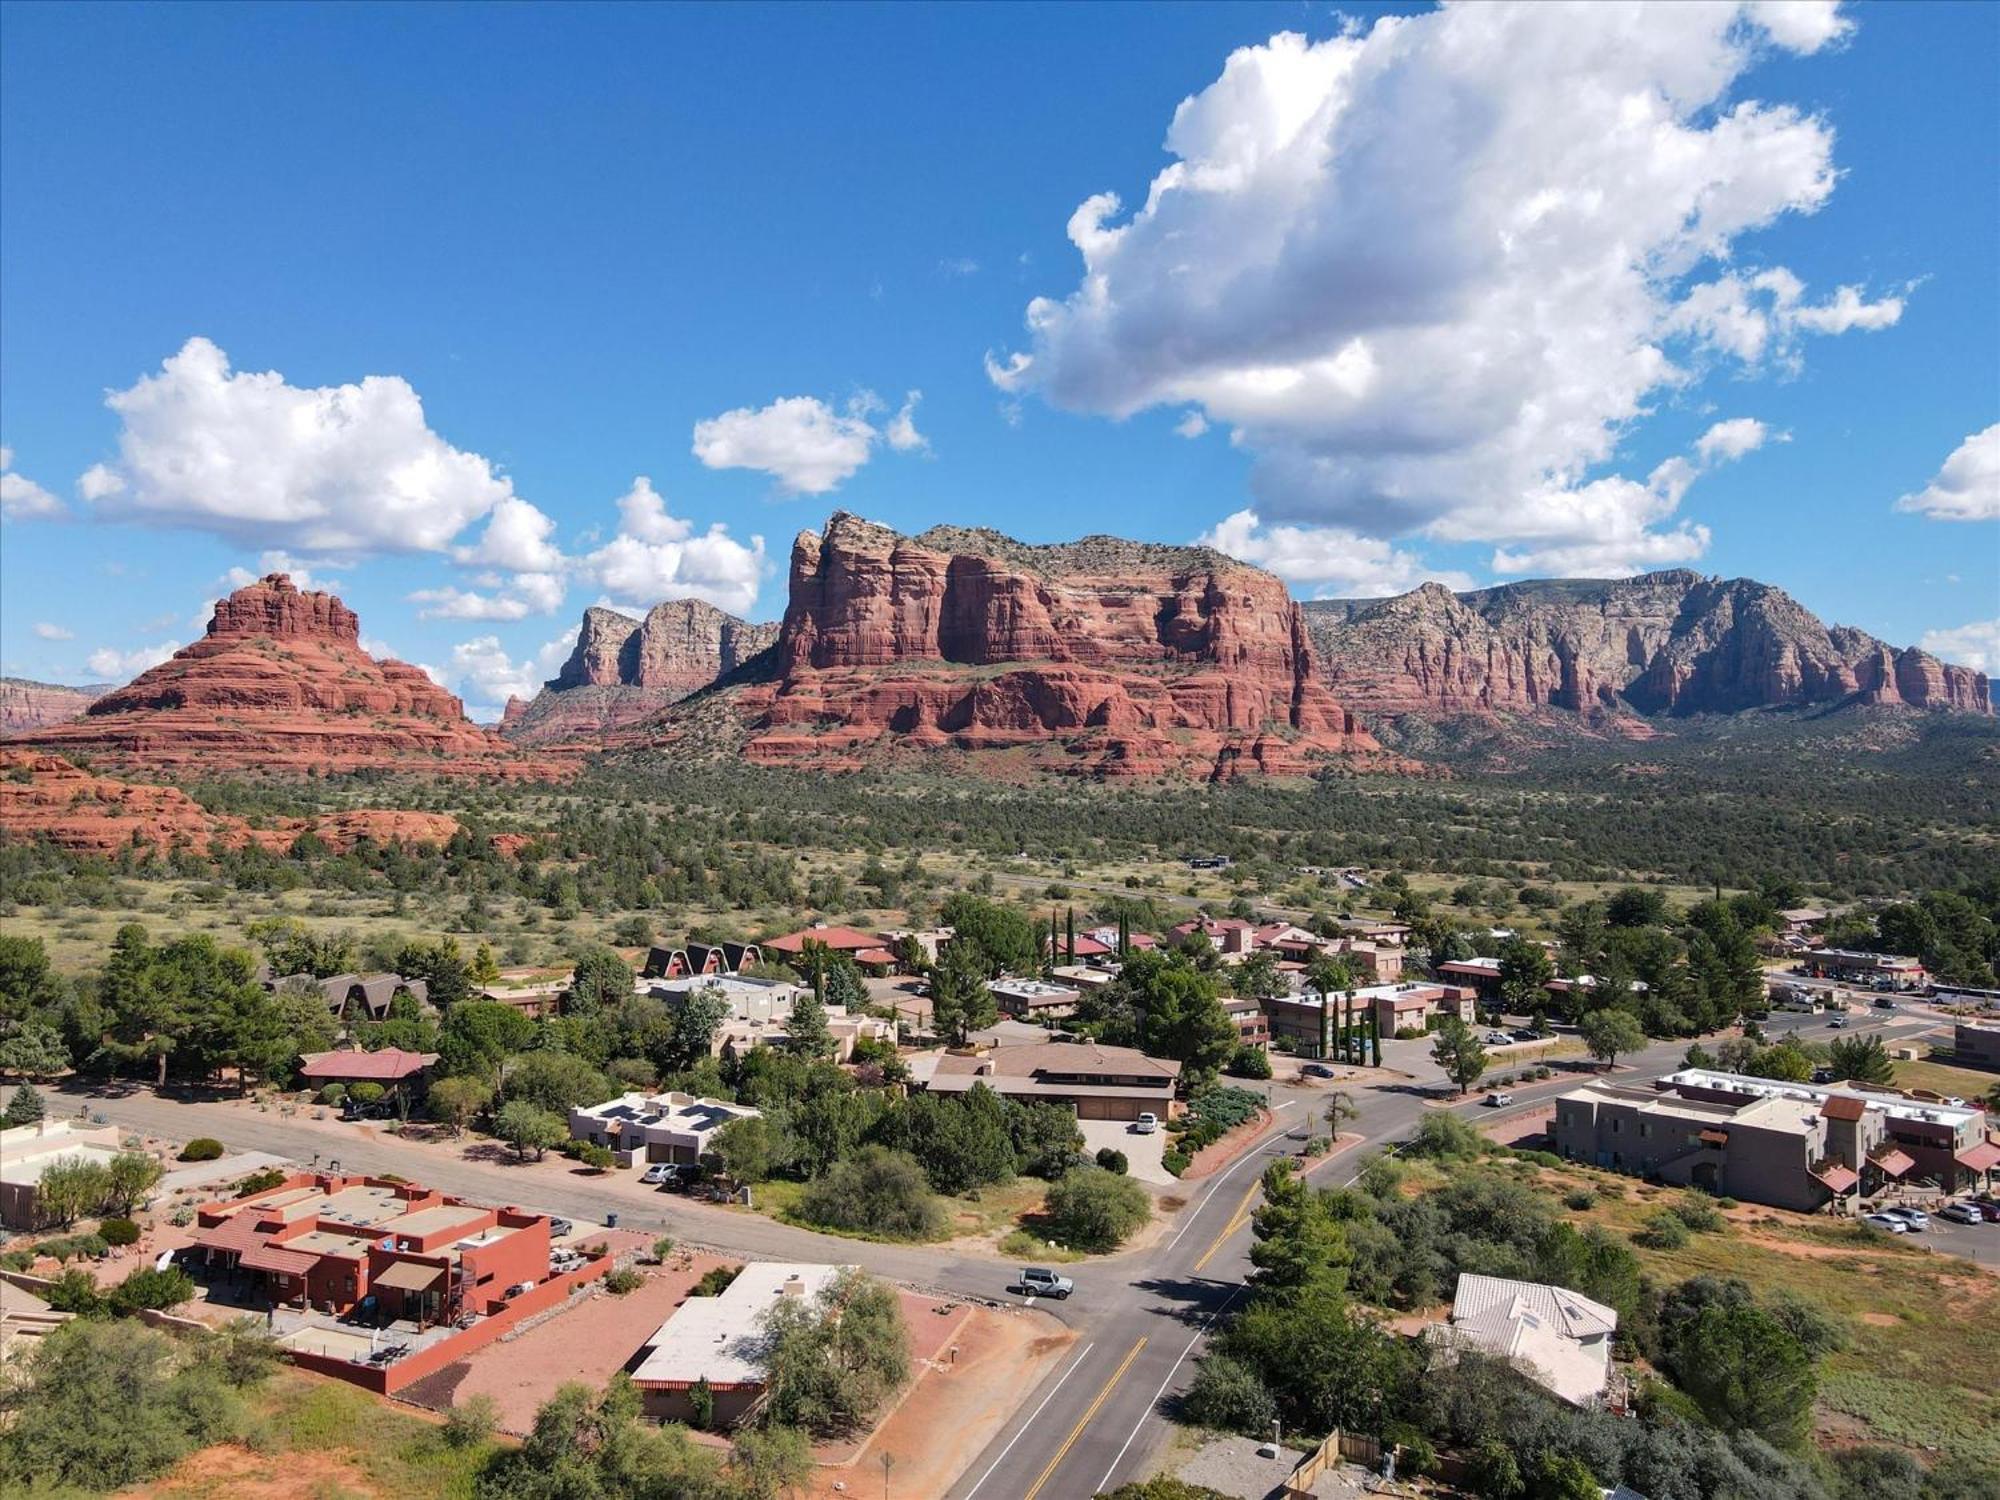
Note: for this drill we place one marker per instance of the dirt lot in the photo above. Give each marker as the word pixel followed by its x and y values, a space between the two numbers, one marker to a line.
pixel 591 1340
pixel 953 1409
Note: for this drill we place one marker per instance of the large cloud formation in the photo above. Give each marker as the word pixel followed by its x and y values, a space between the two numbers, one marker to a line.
pixel 1431 272
pixel 657 556
pixel 1967 488
pixel 803 443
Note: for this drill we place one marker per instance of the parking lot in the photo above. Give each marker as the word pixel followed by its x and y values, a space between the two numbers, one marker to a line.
pixel 1979 1243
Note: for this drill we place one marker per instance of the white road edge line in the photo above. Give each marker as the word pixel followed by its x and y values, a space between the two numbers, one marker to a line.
pixel 1226 1175
pixel 1001 1456
pixel 1105 1482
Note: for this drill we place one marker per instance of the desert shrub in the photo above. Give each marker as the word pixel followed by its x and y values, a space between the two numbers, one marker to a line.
pixel 119 1232
pixel 715 1280
pixel 148 1288
pixel 1175 1160
pixel 623 1281
pixel 1580 1199
pixel 365 1094
pixel 876 1191
pixel 471 1421
pixel 201 1148
pixel 1445 1137
pixel 259 1182
pixel 75 1291
pixel 1230 1395
pixel 1698 1212
pixel 1664 1230
pixel 1092 1209
pixel 333 1095
pixel 1250 1062
pixel 1112 1161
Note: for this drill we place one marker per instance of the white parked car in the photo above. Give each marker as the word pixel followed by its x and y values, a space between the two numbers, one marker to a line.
pixel 1147 1123
pixel 1498 1039
pixel 1499 1100
pixel 1916 1218
pixel 1961 1213
pixel 1887 1221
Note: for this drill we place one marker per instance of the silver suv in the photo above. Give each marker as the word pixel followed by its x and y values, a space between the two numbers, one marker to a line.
pixel 1039 1281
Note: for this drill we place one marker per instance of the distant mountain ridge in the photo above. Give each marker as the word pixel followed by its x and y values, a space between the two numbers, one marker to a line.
pixel 622 671
pixel 26 704
pixel 1663 644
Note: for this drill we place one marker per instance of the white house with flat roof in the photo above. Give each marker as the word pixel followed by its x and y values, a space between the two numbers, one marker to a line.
pixel 27 1151
pixel 643 1127
pixel 722 1340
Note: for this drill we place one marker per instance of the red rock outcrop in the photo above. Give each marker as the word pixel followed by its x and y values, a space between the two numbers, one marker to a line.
pixel 624 671
pixel 280 683
pixel 1670 643
pixel 1102 656
pixel 45 796
pixel 26 705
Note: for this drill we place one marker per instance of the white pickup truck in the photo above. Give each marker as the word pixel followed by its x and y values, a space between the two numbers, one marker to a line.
pixel 1038 1281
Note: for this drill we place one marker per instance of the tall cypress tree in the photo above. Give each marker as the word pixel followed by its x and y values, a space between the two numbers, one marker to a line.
pixel 1069 916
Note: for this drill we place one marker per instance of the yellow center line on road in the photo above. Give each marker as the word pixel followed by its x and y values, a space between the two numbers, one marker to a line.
pixel 1084 1421
pixel 1236 1221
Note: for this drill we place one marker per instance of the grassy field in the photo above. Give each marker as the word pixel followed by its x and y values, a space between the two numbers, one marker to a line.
pixel 1917 1369
pixel 1945 1078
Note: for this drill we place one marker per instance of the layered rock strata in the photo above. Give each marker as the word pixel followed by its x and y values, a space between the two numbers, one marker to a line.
pixel 25 704
pixel 280 683
pixel 624 671
pixel 1670 643
pixel 1102 656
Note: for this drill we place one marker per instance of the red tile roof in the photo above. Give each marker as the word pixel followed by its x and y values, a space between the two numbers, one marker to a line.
pixel 278 1258
pixel 1837 1177
pixel 1895 1163
pixel 388 1065
pixel 1844 1107
pixel 238 1232
pixel 840 939
pixel 1980 1158
pixel 874 956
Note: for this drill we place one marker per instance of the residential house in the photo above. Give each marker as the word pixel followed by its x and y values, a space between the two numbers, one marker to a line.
pixel 697 959
pixel 1032 1000
pixel 1098 1082
pixel 1308 1020
pixel 1557 1338
pixel 641 1127
pixel 340 1243
pixel 1800 921
pixel 1232 938
pixel 1087 976
pixel 357 997
pixel 28 1151
pixel 1253 1028
pixel 721 1341
pixel 869 950
pixel 391 1067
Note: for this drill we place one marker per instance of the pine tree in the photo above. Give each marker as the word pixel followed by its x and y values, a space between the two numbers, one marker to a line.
pixel 25 1108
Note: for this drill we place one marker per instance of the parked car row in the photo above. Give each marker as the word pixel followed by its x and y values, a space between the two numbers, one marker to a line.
pixel 1905 1219
pixel 672 1176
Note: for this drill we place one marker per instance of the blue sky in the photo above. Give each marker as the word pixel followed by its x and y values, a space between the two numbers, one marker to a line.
pixel 1416 285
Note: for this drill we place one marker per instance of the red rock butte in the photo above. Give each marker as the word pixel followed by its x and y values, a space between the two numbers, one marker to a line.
pixel 280 683
pixel 1102 656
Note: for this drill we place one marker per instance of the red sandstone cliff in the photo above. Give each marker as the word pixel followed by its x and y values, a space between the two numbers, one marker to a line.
pixel 45 796
pixel 1100 656
pixel 1670 643
pixel 624 670
pixel 26 705
pixel 280 682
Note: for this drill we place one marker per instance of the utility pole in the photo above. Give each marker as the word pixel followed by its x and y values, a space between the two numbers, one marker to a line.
pixel 888 1463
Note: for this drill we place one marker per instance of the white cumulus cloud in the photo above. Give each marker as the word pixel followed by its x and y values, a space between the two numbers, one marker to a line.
pixel 21 499
pixel 657 556
pixel 350 468
pixel 1967 488
pixel 111 665
pixel 803 443
pixel 1335 562
pixel 1433 270
pixel 1976 645
pixel 51 632
pixel 1732 439
pixel 517 536
pixel 484 674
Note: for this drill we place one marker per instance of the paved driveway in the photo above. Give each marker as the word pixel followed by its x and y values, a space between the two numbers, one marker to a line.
pixel 1142 1152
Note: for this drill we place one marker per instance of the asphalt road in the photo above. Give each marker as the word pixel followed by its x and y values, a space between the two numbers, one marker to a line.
pixel 1098 1418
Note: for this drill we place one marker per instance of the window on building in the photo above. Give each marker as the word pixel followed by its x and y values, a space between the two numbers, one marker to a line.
pixel 1645 1129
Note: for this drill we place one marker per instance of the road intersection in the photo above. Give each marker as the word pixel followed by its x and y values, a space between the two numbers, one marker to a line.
pixel 1099 1417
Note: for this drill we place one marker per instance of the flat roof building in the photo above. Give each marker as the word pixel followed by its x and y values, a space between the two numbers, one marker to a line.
pixel 27 1151
pixel 722 1340
pixel 1031 999
pixel 645 1127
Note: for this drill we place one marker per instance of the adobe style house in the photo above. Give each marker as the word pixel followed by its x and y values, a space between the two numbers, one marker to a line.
pixel 1557 1338
pixel 1789 1145
pixel 27 1151
pixel 760 1011
pixel 1848 966
pixel 1098 1082
pixel 721 1340
pixel 642 1127
pixel 342 1243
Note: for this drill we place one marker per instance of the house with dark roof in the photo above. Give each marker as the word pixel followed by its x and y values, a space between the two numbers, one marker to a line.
pixel 1098 1082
